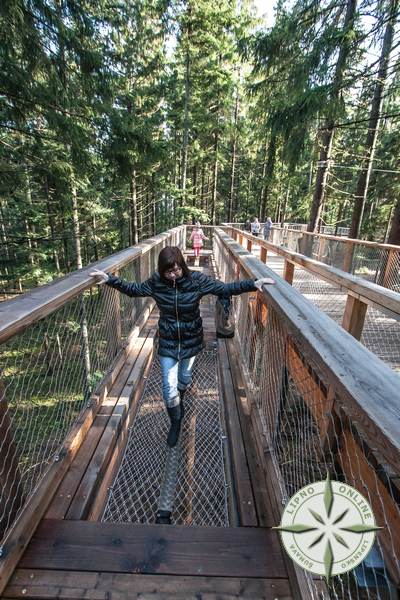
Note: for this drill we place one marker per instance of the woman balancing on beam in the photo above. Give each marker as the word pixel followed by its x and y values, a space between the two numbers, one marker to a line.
pixel 177 292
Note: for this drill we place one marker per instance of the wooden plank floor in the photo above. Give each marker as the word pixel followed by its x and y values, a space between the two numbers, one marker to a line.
pixel 70 557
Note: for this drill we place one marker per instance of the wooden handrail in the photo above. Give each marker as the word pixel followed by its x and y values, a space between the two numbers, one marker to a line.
pixel 19 313
pixel 368 292
pixel 327 236
pixel 367 390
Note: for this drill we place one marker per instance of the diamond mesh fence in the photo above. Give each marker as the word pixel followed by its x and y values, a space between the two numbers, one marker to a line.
pixel 52 371
pixel 201 490
pixel 309 434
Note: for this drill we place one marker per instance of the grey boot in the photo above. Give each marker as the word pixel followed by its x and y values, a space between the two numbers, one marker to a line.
pixel 175 415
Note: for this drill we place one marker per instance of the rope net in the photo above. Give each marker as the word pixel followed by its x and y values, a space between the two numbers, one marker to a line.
pixel 201 490
pixel 52 372
pixel 308 433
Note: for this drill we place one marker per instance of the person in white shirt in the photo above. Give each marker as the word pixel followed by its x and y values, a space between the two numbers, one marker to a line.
pixel 255 226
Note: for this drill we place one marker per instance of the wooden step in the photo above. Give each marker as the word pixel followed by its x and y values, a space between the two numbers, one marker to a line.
pixel 44 584
pixel 155 549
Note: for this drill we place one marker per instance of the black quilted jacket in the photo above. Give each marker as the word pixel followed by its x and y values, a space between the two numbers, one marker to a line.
pixel 180 324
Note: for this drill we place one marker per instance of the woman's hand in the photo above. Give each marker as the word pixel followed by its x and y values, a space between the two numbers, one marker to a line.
pixel 264 281
pixel 101 276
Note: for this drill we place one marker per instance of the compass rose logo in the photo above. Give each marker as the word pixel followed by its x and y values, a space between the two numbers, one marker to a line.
pixel 328 528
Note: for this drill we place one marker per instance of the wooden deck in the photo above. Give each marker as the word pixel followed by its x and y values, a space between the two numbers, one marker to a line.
pixel 73 555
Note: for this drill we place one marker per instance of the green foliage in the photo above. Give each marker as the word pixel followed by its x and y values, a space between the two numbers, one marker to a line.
pixel 132 117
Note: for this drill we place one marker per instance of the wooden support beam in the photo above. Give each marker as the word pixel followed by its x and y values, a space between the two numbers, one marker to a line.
pixel 249 245
pixel 288 271
pixel 354 316
pixel 263 254
pixel 245 500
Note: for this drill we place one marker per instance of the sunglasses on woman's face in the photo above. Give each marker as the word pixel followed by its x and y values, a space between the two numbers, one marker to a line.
pixel 175 271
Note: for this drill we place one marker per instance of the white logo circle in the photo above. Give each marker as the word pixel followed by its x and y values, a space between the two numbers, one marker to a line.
pixel 328 528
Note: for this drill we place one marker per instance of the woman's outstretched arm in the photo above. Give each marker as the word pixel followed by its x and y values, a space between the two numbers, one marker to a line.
pixel 125 287
pixel 241 286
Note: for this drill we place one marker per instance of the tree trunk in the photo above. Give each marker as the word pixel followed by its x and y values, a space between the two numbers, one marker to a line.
pixel 233 161
pixel 321 180
pixel 263 186
pixel 28 228
pixel 133 211
pixel 373 125
pixel 215 179
pixel 94 236
pixel 203 174
pixel 394 235
pixel 283 215
pixel 269 171
pixel 76 226
pixel 52 226
pixel 185 137
pixel 3 237
pixel 328 130
pixel 153 206
pixel 194 185
pixel 82 308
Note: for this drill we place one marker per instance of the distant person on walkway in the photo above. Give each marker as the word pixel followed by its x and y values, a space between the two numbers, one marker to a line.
pixel 267 229
pixel 247 226
pixel 177 292
pixel 197 236
pixel 255 226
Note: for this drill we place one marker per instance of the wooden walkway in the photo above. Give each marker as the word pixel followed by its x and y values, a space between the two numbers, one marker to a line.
pixel 73 555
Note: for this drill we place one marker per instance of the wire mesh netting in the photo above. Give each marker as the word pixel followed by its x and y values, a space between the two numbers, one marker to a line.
pixel 308 433
pixel 201 491
pixel 381 330
pixel 49 374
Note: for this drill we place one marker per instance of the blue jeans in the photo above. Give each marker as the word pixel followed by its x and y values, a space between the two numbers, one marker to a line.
pixel 176 375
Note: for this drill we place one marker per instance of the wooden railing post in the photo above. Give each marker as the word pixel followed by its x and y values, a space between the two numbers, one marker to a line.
pixel 249 245
pixel 348 257
pixel 288 271
pixel 263 254
pixel 354 316
pixel 321 248
pixel 12 496
pixel 241 239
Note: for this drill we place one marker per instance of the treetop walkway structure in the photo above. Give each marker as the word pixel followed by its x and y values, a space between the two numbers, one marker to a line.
pixel 84 466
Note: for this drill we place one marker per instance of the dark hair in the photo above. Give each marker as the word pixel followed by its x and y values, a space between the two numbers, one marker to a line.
pixel 170 256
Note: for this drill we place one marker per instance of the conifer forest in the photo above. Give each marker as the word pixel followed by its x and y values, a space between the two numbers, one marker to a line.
pixel 122 118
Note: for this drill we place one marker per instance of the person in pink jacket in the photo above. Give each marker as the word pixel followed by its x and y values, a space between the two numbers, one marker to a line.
pixel 197 236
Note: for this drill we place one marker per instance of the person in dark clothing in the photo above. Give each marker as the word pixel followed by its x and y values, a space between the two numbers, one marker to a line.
pixel 177 292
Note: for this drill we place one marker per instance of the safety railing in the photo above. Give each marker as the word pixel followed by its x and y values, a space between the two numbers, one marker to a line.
pixel 320 403
pixel 370 312
pixel 62 346
pixel 373 261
